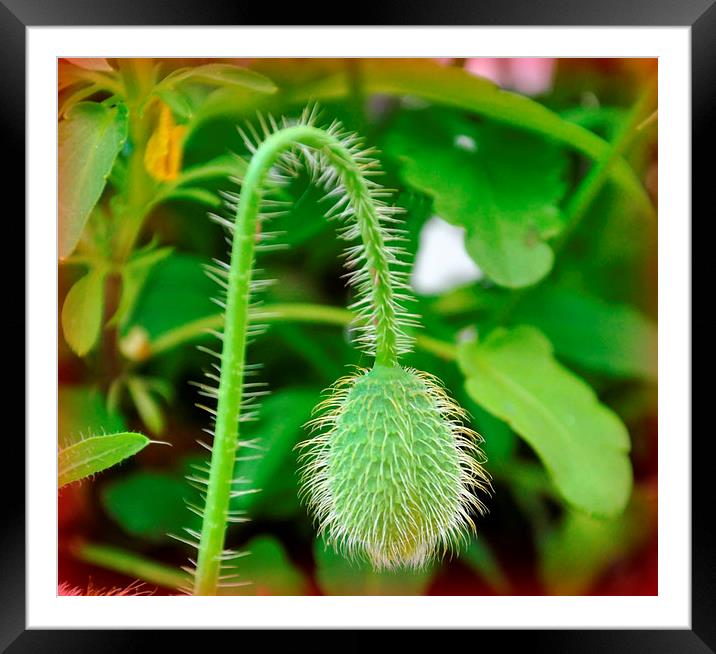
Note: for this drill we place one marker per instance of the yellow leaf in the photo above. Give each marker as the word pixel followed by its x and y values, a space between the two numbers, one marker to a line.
pixel 162 158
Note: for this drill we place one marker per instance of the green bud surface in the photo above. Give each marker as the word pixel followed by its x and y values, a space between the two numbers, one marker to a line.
pixel 393 472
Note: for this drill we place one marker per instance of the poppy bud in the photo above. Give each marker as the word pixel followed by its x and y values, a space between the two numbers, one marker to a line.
pixel 393 472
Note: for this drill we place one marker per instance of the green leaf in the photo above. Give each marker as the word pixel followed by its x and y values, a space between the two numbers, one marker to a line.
pixel 603 337
pixel 149 505
pixel 89 140
pixel 68 75
pixel 147 407
pixel 92 455
pixel 177 291
pixel 581 548
pixel 480 558
pixel 597 118
pixel 198 195
pixel 221 75
pixel 83 411
pixel 338 576
pixel 502 186
pixel 583 445
pixel 609 252
pixel 118 180
pixel 268 570
pixel 134 274
pixel 226 168
pixel 91 63
pixel 272 468
pixel 500 442
pixel 177 102
pixel 70 99
pixel 82 312
pixel 220 167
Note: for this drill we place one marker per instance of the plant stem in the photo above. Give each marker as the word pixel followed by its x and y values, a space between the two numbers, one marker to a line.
pixel 298 312
pixel 594 181
pixel 312 313
pixel 138 78
pixel 136 81
pixel 230 392
pixel 357 95
pixel 130 564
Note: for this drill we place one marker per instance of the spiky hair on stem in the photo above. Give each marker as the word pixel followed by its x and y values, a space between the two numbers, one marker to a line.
pixel 391 472
pixel 345 169
pixel 339 163
pixel 393 476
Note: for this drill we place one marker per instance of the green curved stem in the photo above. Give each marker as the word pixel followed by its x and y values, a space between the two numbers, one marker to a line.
pixel 230 392
pixel 291 312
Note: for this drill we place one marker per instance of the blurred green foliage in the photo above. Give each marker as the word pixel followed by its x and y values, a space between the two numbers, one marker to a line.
pixel 502 186
pixel 549 349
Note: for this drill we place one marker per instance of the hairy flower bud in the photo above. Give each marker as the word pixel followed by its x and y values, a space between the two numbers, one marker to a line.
pixel 393 472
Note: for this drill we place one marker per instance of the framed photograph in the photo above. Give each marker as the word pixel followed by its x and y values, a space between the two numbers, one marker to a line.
pixel 360 327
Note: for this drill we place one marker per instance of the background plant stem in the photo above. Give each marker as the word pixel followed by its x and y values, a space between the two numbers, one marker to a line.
pixel 293 312
pixel 138 79
pixel 130 564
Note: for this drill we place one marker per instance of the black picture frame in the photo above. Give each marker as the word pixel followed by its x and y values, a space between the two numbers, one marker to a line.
pixel 700 15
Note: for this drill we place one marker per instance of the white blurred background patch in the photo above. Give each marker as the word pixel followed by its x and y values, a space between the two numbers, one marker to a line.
pixel 442 263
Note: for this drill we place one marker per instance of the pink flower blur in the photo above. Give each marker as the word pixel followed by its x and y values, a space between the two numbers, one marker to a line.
pixel 530 76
